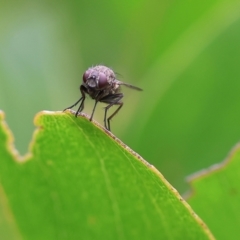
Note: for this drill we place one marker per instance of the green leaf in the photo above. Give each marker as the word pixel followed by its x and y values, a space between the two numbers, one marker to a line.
pixel 81 182
pixel 216 196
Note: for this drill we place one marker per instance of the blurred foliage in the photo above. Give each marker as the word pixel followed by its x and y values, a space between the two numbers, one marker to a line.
pixel 184 54
pixel 215 196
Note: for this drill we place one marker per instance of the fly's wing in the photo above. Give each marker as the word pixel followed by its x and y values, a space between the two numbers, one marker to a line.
pixel 129 85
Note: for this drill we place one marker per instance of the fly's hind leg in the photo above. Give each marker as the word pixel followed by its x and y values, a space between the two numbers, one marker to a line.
pixel 113 99
pixel 109 118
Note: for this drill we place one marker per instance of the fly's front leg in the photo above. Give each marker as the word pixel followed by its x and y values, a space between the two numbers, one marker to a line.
pixel 97 98
pixel 81 100
pixel 73 105
pixel 81 107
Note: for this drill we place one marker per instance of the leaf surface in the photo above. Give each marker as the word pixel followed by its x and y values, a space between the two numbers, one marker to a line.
pixel 79 181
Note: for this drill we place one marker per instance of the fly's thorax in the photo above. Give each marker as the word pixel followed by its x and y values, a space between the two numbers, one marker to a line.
pixel 115 86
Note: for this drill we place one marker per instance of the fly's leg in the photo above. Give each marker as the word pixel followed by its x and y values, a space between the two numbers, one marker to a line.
pixel 81 107
pixel 109 118
pixel 81 100
pixel 73 105
pixel 113 99
pixel 93 110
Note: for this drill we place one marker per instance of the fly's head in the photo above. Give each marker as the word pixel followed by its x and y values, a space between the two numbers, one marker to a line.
pixel 98 78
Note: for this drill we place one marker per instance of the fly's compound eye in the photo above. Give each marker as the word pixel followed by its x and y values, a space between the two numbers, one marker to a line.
pixel 86 76
pixel 102 81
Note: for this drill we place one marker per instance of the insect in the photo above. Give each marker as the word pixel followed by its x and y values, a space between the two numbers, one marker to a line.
pixel 100 84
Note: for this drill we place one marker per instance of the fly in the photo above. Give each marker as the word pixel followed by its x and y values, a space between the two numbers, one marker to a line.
pixel 100 84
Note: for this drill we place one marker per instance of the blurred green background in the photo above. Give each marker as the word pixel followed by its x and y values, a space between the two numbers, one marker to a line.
pixel 184 54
